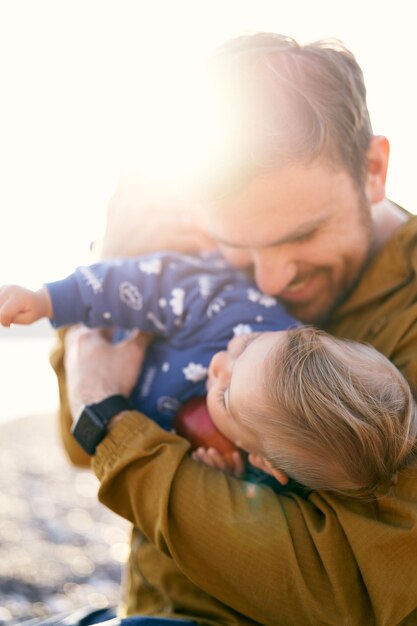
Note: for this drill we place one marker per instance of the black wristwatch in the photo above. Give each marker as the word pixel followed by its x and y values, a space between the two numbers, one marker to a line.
pixel 91 427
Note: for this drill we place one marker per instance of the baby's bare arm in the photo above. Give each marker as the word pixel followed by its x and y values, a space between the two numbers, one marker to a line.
pixel 19 305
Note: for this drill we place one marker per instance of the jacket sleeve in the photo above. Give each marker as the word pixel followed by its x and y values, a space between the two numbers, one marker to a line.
pixel 73 450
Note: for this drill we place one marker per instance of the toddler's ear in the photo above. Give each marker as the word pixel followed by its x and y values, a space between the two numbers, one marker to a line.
pixel 259 461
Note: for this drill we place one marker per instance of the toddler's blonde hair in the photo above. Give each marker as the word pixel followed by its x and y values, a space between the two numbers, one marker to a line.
pixel 346 417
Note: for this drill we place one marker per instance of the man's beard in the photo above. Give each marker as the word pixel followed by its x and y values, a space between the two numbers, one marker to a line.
pixel 345 293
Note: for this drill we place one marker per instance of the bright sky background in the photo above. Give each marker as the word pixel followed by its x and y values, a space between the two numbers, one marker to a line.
pixel 84 90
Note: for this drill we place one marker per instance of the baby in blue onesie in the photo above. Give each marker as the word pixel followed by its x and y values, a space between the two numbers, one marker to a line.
pixel 193 304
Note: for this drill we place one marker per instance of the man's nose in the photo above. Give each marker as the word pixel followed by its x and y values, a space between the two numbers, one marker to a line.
pixel 274 270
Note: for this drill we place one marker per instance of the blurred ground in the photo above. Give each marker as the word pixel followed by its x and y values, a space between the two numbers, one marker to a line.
pixel 60 549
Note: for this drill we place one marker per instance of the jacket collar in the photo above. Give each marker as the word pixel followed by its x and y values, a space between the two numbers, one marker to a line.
pixel 392 266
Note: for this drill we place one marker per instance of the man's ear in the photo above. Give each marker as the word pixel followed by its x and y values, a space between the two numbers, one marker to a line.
pixel 377 156
pixel 259 461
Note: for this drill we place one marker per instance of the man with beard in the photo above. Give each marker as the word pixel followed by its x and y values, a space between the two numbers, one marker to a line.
pixel 300 201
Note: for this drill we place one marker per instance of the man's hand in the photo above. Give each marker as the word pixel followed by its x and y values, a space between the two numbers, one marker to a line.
pixel 19 305
pixel 140 221
pixel 96 368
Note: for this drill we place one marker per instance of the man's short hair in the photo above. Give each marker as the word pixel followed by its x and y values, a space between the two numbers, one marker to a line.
pixel 284 103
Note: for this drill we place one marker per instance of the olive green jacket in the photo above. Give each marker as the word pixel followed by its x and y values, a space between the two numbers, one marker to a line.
pixel 206 547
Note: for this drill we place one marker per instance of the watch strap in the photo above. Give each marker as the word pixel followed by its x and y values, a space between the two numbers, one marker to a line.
pixel 109 407
pixel 91 426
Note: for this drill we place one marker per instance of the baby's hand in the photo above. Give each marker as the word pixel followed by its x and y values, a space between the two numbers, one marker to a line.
pixel 233 465
pixel 19 305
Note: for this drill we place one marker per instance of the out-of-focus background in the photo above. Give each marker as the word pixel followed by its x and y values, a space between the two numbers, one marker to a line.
pixel 92 90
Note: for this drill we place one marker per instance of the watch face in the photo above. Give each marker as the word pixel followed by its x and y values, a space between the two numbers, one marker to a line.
pixel 89 430
pixel 91 426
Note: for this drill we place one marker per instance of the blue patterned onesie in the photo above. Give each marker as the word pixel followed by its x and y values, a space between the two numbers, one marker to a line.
pixel 193 304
